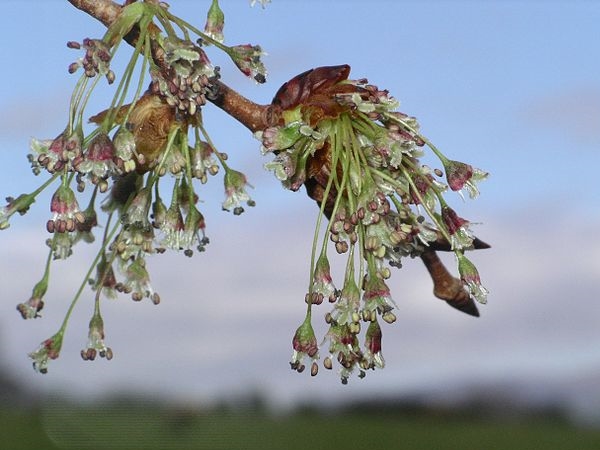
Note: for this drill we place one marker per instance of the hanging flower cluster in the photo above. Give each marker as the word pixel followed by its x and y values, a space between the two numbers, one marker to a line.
pixel 135 174
pixel 132 179
pixel 359 159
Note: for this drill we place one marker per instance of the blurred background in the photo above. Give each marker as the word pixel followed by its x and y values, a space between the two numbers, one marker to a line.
pixel 512 87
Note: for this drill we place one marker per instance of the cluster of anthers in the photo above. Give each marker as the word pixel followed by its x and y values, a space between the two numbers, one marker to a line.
pixel 359 159
pixel 112 178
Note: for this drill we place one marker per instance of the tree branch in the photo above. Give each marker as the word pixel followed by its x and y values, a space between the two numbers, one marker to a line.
pixel 447 287
pixel 106 11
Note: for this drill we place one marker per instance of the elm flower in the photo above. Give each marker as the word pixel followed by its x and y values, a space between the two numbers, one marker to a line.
pixel 280 138
pixel 159 212
pixel 202 161
pixel 304 344
pixel 49 349
pixel 95 344
pixel 173 225
pixel 46 153
pixel 344 348
pixel 137 234
pixel 263 3
pixel 372 356
pixel 458 229
pixel 137 211
pixel 62 245
pixel 346 308
pixel 90 221
pixel 124 143
pixel 247 58
pixel 20 204
pixel 460 175
pixel 283 166
pixel 193 226
pixel 56 154
pixel 470 277
pixel 377 299
pixel 105 278
pixel 215 21
pixel 66 213
pixel 137 282
pixel 235 191
pixel 322 286
pixel 32 307
pixel 97 160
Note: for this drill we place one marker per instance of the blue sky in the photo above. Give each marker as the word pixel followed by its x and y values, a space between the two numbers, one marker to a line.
pixel 512 87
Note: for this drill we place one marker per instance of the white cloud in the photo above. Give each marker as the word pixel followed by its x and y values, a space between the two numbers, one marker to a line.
pixel 227 316
pixel 573 113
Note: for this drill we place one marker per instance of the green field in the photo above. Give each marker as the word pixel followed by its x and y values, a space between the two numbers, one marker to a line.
pixel 148 427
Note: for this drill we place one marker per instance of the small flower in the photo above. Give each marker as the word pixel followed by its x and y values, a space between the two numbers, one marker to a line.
pixel 137 234
pixel 159 212
pixel 202 161
pixel 458 228
pixel 66 212
pixel 283 166
pixel 281 138
pixel 137 212
pixel 105 278
pixel 98 159
pixel 247 58
pixel 263 3
pixel 215 21
pixel 173 225
pixel 235 191
pixel 322 282
pixel 470 277
pixel 90 221
pixel 56 154
pixel 194 224
pixel 304 344
pixel 95 344
pixel 61 245
pixel 424 192
pixel 20 204
pixel 124 143
pixel 49 349
pixel 343 347
pixel 373 357
pixel 377 298
pixel 32 307
pixel 137 282
pixel 461 175
pixel 49 154
pixel 175 162
pixel 347 306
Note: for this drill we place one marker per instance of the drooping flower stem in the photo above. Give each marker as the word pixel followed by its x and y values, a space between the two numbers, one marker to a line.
pixel 87 276
pixel 332 176
pixel 218 154
pixel 423 203
pixel 121 92
pixel 76 96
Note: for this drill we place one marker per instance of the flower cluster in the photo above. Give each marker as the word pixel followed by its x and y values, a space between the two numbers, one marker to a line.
pixel 359 159
pixel 134 175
